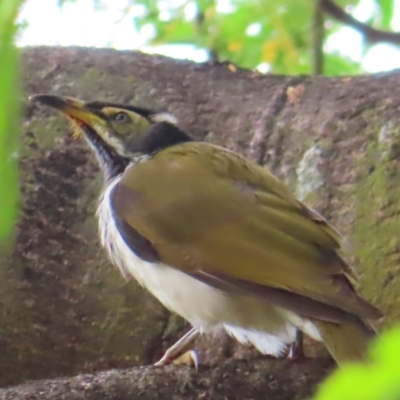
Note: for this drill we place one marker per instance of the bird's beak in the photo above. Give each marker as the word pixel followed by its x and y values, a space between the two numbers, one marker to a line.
pixel 74 109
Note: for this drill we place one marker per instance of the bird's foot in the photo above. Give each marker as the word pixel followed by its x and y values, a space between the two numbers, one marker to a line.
pixel 181 352
pixel 296 350
pixel 190 358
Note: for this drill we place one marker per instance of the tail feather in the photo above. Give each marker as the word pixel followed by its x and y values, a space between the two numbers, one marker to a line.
pixel 346 342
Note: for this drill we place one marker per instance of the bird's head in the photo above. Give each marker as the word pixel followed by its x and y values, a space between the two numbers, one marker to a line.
pixel 119 134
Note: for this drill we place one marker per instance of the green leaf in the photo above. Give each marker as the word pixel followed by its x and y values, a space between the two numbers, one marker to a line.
pixel 386 8
pixel 379 379
pixel 284 40
pixel 175 32
pixel 338 65
pixel 346 3
pixel 9 116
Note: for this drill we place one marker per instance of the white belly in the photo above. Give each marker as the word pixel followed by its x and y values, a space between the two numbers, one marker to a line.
pixel 269 328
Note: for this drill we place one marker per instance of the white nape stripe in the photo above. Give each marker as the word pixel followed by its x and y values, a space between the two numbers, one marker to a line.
pixel 164 117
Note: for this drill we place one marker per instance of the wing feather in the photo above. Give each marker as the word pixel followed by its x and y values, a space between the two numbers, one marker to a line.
pixel 208 211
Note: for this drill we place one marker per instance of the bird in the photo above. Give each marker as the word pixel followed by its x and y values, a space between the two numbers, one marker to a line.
pixel 217 238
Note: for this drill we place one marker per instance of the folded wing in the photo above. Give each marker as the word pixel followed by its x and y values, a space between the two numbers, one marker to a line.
pixel 230 223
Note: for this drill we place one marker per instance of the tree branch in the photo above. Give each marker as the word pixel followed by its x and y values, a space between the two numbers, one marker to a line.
pixel 371 35
pixel 262 378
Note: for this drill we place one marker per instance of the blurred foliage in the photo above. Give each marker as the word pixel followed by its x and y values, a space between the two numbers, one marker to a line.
pixel 276 35
pixel 377 380
pixel 250 33
pixel 9 115
pixel 384 14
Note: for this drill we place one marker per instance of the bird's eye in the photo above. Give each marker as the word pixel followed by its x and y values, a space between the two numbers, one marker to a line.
pixel 121 117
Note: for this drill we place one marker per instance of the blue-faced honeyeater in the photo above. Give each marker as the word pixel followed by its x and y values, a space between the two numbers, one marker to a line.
pixel 217 238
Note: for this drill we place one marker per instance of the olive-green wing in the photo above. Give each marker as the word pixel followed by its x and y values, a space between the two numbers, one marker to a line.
pixel 228 222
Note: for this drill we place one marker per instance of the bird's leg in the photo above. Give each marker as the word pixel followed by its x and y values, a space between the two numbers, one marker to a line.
pixel 180 347
pixel 296 349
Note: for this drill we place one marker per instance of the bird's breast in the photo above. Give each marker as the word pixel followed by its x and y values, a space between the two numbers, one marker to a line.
pixel 196 301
